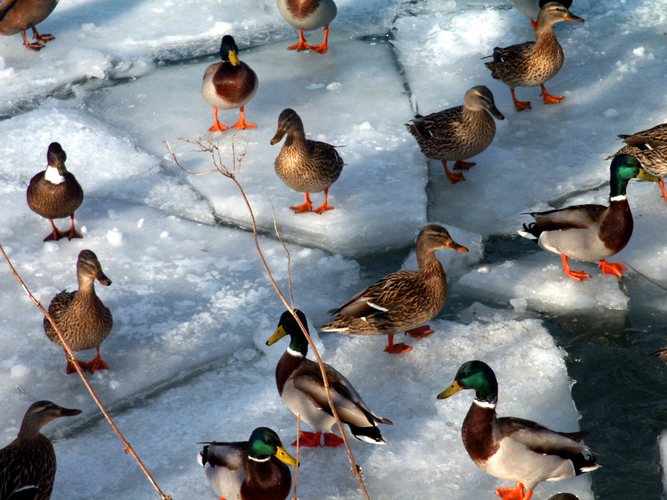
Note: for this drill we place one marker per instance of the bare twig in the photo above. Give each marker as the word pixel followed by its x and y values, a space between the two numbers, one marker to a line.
pixel 70 356
pixel 220 167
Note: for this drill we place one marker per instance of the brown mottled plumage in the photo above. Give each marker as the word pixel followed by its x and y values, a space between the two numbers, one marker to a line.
pixel 54 193
pixel 81 316
pixel 532 63
pixel 28 464
pixel 460 132
pixel 20 15
pixel 650 149
pixel 304 165
pixel 401 301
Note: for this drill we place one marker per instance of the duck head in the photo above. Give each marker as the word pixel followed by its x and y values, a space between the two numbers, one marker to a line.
pixel 88 267
pixel 288 326
pixel 555 12
pixel 229 51
pixel 264 443
pixel 622 170
pixel 475 375
pixel 480 98
pixel 41 413
pixel 289 122
pixel 433 237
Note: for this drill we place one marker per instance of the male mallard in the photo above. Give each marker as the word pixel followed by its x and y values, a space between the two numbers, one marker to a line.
pixel 81 316
pixel 512 448
pixel 458 133
pixel 19 15
pixel 302 389
pixel 229 84
pixel 591 232
pixel 304 165
pixel 531 8
pixel 54 193
pixel 253 469
pixel 308 15
pixel 401 301
pixel 533 63
pixel 650 149
pixel 28 464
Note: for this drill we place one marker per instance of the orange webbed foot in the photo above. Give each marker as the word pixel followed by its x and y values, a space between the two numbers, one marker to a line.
pixel 612 268
pixel 661 185
pixel 309 439
pixel 300 45
pixel 399 348
pixel 218 127
pixel 453 177
pixel 70 366
pixel 420 333
pixel 56 235
pixel 300 209
pixel 73 234
pixel 550 99
pixel 244 125
pixel 320 49
pixel 332 441
pixel 97 363
pixel 518 493
pixel 522 105
pixel 464 165
pixel 533 23
pixel 575 275
pixel 323 208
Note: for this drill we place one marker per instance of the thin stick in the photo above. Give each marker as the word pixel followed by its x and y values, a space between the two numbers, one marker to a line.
pixel 70 355
pixel 214 151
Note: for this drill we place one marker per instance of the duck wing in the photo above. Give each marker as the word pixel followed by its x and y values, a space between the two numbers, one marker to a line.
pixel 541 439
pixel 574 217
pixel 232 456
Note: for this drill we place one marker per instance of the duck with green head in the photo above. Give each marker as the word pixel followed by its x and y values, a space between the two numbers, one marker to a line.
pixel 255 469
pixel 512 448
pixel 301 387
pixel 229 84
pixel 591 233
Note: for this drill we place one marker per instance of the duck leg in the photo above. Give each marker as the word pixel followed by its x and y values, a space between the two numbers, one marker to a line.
pixel 519 105
pixel 612 268
pixel 97 363
pixel 324 206
pixel 661 184
pixel 46 37
pixel 301 44
pixel 73 233
pixel 309 439
pixel 306 207
pixel 332 441
pixel 518 493
pixel 31 45
pixel 575 275
pixel 56 234
pixel 241 123
pixel 549 98
pixel 70 365
pixel 453 177
pixel 399 348
pixel 420 333
pixel 217 126
pixel 463 165
pixel 322 48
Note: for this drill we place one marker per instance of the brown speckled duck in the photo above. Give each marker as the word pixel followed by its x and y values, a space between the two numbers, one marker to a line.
pixel 20 15
pixel 514 449
pixel 531 8
pixel 28 464
pixel 229 84
pixel 254 469
pixel 532 63
pixel 458 133
pixel 650 149
pixel 304 165
pixel 401 301
pixel 81 316
pixel 308 15
pixel 301 387
pixel 54 193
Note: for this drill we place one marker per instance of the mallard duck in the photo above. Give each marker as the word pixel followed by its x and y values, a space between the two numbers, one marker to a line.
pixel 19 15
pixel 533 63
pixel 512 448
pixel 531 8
pixel 81 316
pixel 401 301
pixel 300 385
pixel 304 165
pixel 54 193
pixel 308 15
pixel 255 469
pixel 591 232
pixel 458 133
pixel 229 84
pixel 650 148
pixel 28 464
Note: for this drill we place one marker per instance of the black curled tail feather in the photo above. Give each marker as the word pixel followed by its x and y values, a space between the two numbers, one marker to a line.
pixel 533 229
pixel 368 434
pixel 584 462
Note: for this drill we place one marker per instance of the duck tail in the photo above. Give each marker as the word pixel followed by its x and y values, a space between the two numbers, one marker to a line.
pixel 531 231
pixel 417 127
pixel 493 64
pixel 368 434
pixel 585 462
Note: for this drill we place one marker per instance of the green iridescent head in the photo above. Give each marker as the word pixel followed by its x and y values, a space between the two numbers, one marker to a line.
pixel 475 375
pixel 288 326
pixel 264 443
pixel 623 169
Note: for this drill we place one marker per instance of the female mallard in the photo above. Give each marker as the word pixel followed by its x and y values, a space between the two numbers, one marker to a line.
pixel 512 448
pixel 304 165
pixel 28 464
pixel 19 15
pixel 308 15
pixel 533 63
pixel 401 301
pixel 458 133
pixel 591 232
pixel 650 149
pixel 253 469
pixel 54 193
pixel 82 318
pixel 301 387
pixel 531 8
pixel 229 84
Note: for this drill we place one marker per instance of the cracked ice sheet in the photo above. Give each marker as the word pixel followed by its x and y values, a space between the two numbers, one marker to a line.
pixel 96 39
pixel 425 435
pixel 379 199
pixel 543 155
pixel 183 294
